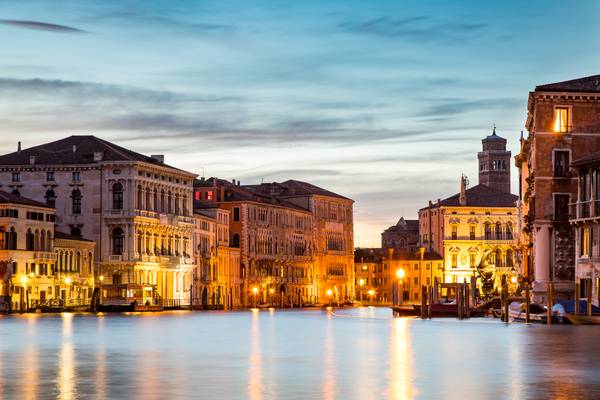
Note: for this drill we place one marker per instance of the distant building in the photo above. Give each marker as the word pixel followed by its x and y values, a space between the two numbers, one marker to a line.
pixel 369 274
pixel 563 120
pixel 402 236
pixel 475 228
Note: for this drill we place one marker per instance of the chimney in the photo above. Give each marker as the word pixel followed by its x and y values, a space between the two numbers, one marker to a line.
pixel 238 182
pixel 32 160
pixel 74 148
pixel 19 147
pixel 462 199
pixel 233 181
pixel 422 253
pixel 158 158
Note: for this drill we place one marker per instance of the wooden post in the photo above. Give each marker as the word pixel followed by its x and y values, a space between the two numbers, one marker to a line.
pixel 459 300
pixel 467 304
pixel 576 298
pixel 588 291
pixel 527 304
pixel 504 298
pixel 474 290
pixel 435 288
pixel 423 301
pixel 430 302
pixel 550 302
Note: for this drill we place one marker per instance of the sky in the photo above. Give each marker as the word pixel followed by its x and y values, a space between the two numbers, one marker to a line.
pixel 385 102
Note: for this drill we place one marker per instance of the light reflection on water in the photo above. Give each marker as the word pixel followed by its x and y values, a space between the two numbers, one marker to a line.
pixel 331 354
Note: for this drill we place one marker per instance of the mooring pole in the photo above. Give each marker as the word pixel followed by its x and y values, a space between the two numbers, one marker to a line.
pixel 459 300
pixel 527 303
pixel 423 302
pixel 430 302
pixel 576 298
pixel 588 291
pixel 504 298
pixel 550 302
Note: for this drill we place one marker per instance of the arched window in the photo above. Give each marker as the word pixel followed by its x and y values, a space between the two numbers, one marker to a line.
pixel 148 202
pixel 76 201
pixel 117 241
pixel 155 200
pixel 42 244
pixel 12 239
pixel 117 195
pixel 139 197
pixel 2 238
pixel 185 208
pixel 48 241
pixel 498 259
pixel 30 241
pixel 509 258
pixel 235 240
pixel 50 198
pixel 78 262
pixel 177 204
pixel 90 263
pixel 488 231
pixel 498 231
pixel 169 203
pixel 509 234
pixel 162 201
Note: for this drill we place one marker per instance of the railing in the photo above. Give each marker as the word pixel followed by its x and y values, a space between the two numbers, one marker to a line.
pixel 585 209
pixel 171 303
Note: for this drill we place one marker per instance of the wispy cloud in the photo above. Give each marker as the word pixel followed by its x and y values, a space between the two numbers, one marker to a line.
pixel 41 26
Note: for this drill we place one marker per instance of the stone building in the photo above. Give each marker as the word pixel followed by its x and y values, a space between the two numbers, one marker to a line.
pixel 563 124
pixel 333 233
pixel 217 275
pixel 137 209
pixel 275 240
pixel 74 269
pixel 585 219
pixel 475 229
pixel 403 236
pixel 368 274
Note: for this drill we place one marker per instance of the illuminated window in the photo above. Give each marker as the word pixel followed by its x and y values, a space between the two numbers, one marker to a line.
pixel 454 260
pixel 472 260
pixel 197 196
pixel 472 232
pixel 585 242
pixel 561 120
pixel 209 195
pixel 454 232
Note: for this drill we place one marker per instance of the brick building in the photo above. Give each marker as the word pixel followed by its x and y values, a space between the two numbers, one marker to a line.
pixel 563 120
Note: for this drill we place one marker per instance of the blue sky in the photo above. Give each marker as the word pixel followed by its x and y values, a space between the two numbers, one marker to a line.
pixel 384 102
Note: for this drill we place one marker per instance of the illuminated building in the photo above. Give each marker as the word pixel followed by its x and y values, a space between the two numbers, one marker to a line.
pixel 136 208
pixel 477 226
pixel 563 125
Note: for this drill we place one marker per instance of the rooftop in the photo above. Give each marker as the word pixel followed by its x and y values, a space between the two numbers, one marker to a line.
pixel 588 84
pixel 481 196
pixel 67 236
pixel 76 149
pixel 9 198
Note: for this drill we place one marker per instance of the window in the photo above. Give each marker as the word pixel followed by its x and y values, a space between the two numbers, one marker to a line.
pixel 454 260
pixel 416 280
pixel 50 198
pixel 236 213
pixel 16 177
pixel 235 240
pixel 50 176
pixel 498 231
pixel 472 232
pixel 509 235
pixel 117 190
pixel 16 192
pixel 454 232
pixel 561 163
pixel 76 201
pixel 561 207
pixel 117 238
pixel 472 260
pixel 561 120
pixel 584 244
pixel 488 231
pixel 76 176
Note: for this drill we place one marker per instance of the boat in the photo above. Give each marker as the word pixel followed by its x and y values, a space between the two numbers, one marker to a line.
pixel 403 311
pixel 576 319
pixel 537 312
pixel 439 310
pixel 565 310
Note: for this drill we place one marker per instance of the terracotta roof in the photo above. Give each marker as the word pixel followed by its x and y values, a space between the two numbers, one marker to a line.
pixel 76 149
pixel 294 188
pixel 66 236
pixel 481 196
pixel 9 198
pixel 587 84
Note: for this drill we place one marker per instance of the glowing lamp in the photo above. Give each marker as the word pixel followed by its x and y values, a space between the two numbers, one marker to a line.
pixel 68 281
pixel 400 273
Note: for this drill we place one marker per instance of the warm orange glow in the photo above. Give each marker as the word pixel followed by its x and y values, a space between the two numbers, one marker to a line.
pixel 361 282
pixel 23 280
pixel 101 277
pixel 255 290
pixel 329 292
pixel 400 273
pixel 561 120
pixel 371 292
pixel 68 281
pixel 31 275
pixel 513 279
pixel 271 290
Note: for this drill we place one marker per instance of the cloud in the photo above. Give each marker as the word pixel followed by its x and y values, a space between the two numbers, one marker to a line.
pixel 41 26
pixel 417 27
pixel 450 107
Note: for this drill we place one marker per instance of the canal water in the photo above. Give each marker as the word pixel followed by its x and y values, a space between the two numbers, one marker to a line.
pixel 360 353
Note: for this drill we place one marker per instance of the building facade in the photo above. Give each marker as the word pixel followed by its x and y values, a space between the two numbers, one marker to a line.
pixel 403 236
pixel 475 229
pixel 135 208
pixel 563 125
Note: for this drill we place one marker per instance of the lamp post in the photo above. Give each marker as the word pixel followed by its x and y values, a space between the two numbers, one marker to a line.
pixel 23 289
pixel 400 274
pixel 254 292
pixel 101 278
pixel 329 294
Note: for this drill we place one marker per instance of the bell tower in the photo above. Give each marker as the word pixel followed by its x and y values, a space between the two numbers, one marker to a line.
pixel 494 163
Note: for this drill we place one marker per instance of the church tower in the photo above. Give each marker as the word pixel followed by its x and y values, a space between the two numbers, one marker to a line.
pixel 494 163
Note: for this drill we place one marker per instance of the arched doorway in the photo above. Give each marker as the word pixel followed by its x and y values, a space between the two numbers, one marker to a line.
pixel 204 297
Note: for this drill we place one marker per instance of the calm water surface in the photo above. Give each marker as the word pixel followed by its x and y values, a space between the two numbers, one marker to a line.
pixel 359 353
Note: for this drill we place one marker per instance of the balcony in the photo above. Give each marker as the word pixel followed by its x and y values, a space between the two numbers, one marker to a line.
pixel 583 210
pixel 44 256
pixel 175 261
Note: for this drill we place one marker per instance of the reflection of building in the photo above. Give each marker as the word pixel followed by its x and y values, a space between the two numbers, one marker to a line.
pixel 476 226
pixel 217 274
pixel 38 265
pixel 563 124
pixel 402 236
pixel 136 208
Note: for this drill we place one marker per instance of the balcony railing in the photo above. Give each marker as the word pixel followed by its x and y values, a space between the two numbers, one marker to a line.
pixel 585 209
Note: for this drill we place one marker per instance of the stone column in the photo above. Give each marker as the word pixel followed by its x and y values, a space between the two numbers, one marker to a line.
pixel 542 262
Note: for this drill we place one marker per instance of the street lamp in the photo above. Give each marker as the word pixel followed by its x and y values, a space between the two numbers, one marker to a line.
pixel 371 294
pixel 400 274
pixel 329 294
pixel 101 278
pixel 255 292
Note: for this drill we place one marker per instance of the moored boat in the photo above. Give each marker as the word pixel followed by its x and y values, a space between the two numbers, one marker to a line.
pixel 537 312
pixel 576 319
